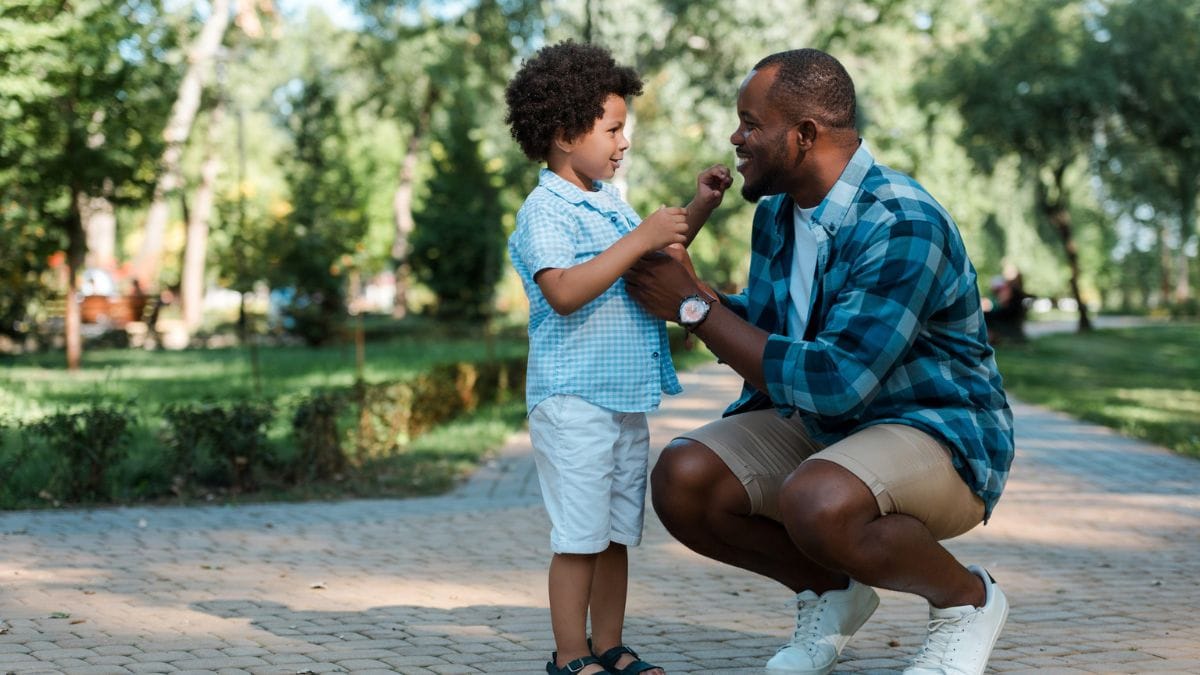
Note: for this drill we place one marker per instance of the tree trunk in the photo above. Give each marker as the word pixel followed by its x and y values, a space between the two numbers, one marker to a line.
pixel 1187 216
pixel 196 248
pixel 402 203
pixel 76 250
pixel 1058 213
pixel 1165 263
pixel 179 126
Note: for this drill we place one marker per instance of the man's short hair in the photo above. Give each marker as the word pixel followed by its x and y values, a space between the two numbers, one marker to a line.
pixel 811 83
pixel 563 88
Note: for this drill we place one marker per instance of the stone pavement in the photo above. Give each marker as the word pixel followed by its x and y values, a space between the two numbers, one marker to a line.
pixel 1096 543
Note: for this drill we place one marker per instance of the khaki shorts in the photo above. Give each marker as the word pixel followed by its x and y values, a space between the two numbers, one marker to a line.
pixel 907 470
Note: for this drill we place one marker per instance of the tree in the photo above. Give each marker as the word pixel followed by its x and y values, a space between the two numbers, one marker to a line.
pixel 312 246
pixel 1030 89
pixel 458 244
pixel 415 57
pixel 201 57
pixel 75 86
pixel 1158 104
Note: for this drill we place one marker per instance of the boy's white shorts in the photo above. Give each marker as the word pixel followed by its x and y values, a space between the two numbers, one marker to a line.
pixel 591 465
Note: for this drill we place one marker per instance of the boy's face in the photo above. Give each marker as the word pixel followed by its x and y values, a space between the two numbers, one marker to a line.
pixel 596 154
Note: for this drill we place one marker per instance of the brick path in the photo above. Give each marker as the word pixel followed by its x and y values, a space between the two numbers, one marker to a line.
pixel 1096 543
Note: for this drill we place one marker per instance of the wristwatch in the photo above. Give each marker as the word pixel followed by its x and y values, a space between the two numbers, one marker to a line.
pixel 693 311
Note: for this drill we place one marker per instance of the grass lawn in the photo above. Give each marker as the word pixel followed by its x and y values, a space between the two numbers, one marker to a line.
pixel 34 385
pixel 1143 382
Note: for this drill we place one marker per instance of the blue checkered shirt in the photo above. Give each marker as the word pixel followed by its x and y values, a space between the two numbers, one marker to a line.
pixel 610 352
pixel 896 333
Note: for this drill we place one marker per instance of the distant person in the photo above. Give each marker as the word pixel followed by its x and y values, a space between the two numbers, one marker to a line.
pixel 873 422
pixel 597 361
pixel 1009 306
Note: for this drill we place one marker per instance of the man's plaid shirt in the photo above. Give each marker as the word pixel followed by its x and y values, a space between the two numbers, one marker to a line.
pixel 896 332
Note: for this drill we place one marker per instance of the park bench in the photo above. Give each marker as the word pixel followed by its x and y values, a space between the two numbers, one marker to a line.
pixel 116 312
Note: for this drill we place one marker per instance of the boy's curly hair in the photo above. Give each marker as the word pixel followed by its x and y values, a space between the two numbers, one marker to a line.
pixel 563 87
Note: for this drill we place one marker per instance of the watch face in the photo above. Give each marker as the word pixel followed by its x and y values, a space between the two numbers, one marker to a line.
pixel 692 310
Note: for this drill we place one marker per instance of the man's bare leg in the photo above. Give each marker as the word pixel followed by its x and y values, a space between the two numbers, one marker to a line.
pixel 832 516
pixel 704 506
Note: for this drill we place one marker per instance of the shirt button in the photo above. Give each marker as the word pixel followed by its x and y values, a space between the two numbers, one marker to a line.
pixel 614 218
pixel 654 355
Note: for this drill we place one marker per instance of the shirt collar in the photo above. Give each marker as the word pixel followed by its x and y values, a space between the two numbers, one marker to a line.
pixel 572 193
pixel 832 210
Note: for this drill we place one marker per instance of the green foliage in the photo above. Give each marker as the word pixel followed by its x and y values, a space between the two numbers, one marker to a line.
pixel 1030 87
pixel 78 88
pixel 215 445
pixel 84 445
pixel 312 246
pixel 317 436
pixel 458 244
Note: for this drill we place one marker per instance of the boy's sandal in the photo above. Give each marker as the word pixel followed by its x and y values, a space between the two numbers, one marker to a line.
pixel 610 658
pixel 572 667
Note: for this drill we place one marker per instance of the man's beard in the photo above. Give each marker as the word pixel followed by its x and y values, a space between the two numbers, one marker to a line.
pixel 772 171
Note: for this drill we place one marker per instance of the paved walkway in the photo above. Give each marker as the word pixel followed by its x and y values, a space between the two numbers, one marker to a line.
pixel 1096 543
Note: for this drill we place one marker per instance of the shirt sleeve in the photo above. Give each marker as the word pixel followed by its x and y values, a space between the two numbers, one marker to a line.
pixel 897 281
pixel 545 239
pixel 738 303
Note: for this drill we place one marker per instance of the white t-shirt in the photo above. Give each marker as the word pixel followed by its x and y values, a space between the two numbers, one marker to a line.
pixel 803 274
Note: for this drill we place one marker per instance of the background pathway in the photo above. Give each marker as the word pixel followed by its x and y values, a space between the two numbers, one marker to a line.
pixel 1096 543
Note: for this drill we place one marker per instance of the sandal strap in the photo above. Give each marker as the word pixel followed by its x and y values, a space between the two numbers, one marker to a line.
pixel 572 666
pixel 609 660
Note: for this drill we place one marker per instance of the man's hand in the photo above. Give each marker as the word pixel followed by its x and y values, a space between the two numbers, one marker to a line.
pixel 659 282
pixel 664 227
pixel 711 185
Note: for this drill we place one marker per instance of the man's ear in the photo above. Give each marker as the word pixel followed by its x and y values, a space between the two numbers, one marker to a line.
pixel 806 134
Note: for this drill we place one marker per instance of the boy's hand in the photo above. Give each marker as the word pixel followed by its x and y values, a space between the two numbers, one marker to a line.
pixel 664 227
pixel 711 185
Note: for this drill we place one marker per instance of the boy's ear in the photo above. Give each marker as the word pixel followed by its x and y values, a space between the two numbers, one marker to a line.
pixel 561 142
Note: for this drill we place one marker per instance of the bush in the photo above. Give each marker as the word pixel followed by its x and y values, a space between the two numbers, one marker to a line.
pixel 84 444
pixel 337 433
pixel 318 440
pixel 217 446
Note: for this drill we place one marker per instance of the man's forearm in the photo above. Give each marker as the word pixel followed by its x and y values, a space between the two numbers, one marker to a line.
pixel 736 342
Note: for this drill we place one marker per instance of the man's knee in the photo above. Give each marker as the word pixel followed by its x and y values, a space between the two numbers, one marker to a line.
pixel 823 505
pixel 683 466
pixel 686 478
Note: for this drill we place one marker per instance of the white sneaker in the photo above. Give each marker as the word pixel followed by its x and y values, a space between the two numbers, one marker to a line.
pixel 824 624
pixel 960 639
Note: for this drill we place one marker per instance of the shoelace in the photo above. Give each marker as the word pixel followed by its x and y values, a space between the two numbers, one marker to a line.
pixel 808 614
pixel 938 642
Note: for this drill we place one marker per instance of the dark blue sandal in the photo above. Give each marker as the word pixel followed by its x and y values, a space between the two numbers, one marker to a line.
pixel 610 658
pixel 572 667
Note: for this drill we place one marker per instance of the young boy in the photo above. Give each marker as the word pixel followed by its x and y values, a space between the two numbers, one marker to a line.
pixel 597 361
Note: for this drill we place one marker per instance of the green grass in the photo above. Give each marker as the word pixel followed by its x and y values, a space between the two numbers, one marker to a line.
pixel 1143 382
pixel 34 385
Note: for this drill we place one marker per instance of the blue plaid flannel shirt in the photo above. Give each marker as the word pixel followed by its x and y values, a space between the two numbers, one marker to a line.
pixel 896 332
pixel 610 352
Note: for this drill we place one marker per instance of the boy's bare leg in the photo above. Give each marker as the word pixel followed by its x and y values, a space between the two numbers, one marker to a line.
pixel 610 587
pixel 570 586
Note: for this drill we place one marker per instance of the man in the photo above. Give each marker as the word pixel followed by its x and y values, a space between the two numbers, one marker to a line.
pixel 873 423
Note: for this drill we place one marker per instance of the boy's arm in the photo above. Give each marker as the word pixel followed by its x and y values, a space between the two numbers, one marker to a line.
pixel 711 185
pixel 567 289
